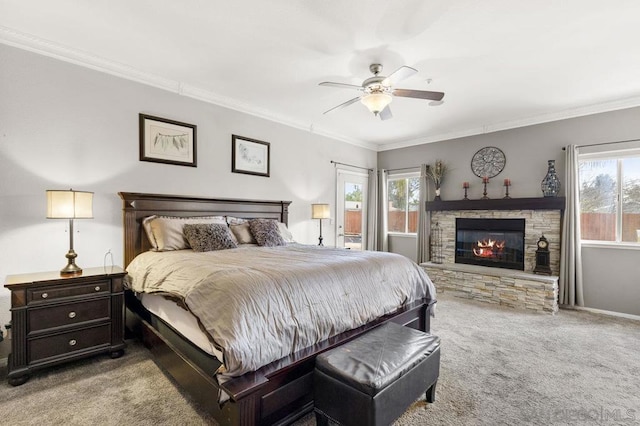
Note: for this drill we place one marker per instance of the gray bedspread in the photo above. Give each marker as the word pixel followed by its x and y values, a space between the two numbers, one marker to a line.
pixel 260 304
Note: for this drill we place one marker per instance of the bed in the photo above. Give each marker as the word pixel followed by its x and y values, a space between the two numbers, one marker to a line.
pixel 276 393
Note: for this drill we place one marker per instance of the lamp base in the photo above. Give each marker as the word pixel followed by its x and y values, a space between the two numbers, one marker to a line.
pixel 71 268
pixel 320 241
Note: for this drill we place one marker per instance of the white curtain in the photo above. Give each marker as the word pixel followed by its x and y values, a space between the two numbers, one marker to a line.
pixel 424 218
pixel 571 292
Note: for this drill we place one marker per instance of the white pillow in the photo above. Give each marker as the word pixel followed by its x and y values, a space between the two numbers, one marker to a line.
pixel 232 220
pixel 147 229
pixel 286 234
pixel 242 233
pixel 165 233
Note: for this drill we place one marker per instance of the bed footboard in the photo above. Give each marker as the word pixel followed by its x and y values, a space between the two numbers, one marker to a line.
pixel 278 393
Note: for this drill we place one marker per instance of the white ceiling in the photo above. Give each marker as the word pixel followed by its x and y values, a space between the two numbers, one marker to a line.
pixel 501 63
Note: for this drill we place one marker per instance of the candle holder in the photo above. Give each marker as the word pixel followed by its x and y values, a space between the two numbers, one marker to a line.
pixel 507 184
pixel 485 181
pixel 465 186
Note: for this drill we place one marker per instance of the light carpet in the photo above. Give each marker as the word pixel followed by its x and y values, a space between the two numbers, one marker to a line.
pixel 499 366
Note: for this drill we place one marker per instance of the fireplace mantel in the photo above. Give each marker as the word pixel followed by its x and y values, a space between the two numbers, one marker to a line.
pixel 541 203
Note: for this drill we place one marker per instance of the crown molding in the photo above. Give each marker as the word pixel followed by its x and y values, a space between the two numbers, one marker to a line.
pixel 213 98
pixel 48 48
pixel 44 47
pixel 522 122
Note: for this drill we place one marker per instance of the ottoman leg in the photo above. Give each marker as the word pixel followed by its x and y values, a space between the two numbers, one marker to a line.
pixel 321 419
pixel 431 393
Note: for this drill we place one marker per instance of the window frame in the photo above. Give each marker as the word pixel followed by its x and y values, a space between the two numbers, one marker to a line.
pixel 402 176
pixel 618 156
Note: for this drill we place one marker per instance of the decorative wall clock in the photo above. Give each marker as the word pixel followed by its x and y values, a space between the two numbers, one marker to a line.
pixel 488 161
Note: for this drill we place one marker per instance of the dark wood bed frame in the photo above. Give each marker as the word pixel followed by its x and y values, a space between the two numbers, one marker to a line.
pixel 278 393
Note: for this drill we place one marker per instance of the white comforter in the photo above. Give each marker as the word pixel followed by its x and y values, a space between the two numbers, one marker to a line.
pixel 260 304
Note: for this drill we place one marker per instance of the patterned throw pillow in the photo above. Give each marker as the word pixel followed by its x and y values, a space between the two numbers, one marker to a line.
pixel 208 236
pixel 266 232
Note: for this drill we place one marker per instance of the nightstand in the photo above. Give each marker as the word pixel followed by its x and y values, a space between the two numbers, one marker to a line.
pixel 56 319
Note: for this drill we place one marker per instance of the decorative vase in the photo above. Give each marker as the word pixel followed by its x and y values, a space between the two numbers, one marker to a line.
pixel 437 197
pixel 551 184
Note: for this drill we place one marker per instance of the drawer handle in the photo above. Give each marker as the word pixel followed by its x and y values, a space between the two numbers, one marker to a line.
pixel 72 314
pixel 45 295
pixel 72 342
pixel 97 288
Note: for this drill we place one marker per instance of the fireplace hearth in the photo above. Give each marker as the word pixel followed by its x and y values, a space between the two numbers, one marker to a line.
pixel 497 243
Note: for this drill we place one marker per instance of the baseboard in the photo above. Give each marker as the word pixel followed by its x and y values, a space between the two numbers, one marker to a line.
pixel 603 312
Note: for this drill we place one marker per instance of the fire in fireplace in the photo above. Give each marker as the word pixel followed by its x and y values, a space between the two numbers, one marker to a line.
pixel 489 248
pixel 490 242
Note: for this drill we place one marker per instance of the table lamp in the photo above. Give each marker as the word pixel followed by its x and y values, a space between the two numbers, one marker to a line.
pixel 320 211
pixel 70 205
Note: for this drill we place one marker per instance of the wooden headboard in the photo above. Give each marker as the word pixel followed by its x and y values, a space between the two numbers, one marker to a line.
pixel 137 206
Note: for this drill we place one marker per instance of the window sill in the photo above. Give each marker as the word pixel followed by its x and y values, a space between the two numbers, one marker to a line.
pixel 610 245
pixel 401 234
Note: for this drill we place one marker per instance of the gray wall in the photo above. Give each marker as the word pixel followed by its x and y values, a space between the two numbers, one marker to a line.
pixel 527 150
pixel 65 126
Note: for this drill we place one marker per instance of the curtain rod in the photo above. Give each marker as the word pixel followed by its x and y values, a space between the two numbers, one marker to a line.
pixel 351 165
pixel 602 143
pixel 403 168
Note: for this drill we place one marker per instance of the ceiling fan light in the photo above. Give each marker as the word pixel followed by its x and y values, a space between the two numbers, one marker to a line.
pixel 376 102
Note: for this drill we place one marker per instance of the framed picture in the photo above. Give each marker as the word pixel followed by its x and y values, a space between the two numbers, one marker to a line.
pixel 249 156
pixel 167 141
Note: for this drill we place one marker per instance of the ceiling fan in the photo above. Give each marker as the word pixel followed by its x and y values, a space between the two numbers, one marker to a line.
pixel 378 91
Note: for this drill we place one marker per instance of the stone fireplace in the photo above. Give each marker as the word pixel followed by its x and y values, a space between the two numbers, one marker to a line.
pixel 478 274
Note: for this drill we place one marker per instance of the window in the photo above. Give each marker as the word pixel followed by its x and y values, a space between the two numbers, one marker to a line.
pixel 403 200
pixel 610 197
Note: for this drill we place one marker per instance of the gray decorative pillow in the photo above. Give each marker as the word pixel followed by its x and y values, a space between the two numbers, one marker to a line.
pixel 208 236
pixel 266 232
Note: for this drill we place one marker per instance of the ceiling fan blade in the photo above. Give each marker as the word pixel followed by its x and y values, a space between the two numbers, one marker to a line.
pixel 420 94
pixel 340 85
pixel 385 114
pixel 344 104
pixel 398 75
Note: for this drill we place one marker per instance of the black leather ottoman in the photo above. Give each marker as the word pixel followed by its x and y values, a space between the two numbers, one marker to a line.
pixel 373 379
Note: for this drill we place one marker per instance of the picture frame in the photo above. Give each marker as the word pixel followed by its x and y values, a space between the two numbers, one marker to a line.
pixel 168 141
pixel 250 156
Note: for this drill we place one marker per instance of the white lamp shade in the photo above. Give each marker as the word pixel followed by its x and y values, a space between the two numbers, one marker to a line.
pixel 376 102
pixel 320 211
pixel 69 204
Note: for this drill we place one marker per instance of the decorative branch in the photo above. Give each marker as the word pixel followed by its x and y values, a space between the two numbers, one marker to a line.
pixel 437 172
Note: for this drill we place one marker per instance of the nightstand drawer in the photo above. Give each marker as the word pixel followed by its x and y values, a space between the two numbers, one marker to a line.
pixel 72 313
pixel 43 294
pixel 71 341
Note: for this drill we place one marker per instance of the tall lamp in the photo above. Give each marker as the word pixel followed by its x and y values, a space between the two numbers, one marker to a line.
pixel 70 205
pixel 320 211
